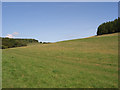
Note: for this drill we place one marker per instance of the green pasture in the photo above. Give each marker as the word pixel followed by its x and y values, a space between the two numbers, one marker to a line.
pixel 81 63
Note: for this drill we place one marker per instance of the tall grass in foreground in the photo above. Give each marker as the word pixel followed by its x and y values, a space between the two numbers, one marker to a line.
pixel 81 63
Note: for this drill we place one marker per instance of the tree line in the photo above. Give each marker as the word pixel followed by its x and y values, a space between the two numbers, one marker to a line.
pixel 109 27
pixel 10 42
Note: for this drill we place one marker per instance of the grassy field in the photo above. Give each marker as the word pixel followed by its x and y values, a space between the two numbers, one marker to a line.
pixel 81 63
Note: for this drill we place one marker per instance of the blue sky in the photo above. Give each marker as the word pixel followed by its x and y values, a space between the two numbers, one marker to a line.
pixel 53 22
pixel 60 0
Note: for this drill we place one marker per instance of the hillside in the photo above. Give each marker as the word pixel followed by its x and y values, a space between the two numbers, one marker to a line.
pixel 109 27
pixel 12 42
pixel 81 63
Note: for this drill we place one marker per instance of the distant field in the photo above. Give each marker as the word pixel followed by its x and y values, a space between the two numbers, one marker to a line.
pixel 81 63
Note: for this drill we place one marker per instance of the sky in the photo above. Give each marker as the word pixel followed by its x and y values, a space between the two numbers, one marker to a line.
pixel 60 0
pixel 55 21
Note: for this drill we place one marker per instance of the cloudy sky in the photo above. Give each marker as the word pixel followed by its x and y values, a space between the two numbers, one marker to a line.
pixel 55 21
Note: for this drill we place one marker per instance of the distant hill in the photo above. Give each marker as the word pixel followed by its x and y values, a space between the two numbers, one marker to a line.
pixel 10 42
pixel 109 27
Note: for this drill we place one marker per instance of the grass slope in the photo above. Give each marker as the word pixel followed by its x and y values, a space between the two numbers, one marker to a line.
pixel 81 63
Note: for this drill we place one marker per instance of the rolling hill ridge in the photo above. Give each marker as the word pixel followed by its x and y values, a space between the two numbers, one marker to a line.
pixel 81 63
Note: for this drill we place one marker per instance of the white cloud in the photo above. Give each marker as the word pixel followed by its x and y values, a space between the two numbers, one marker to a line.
pixel 9 36
pixel 15 33
pixel 12 35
